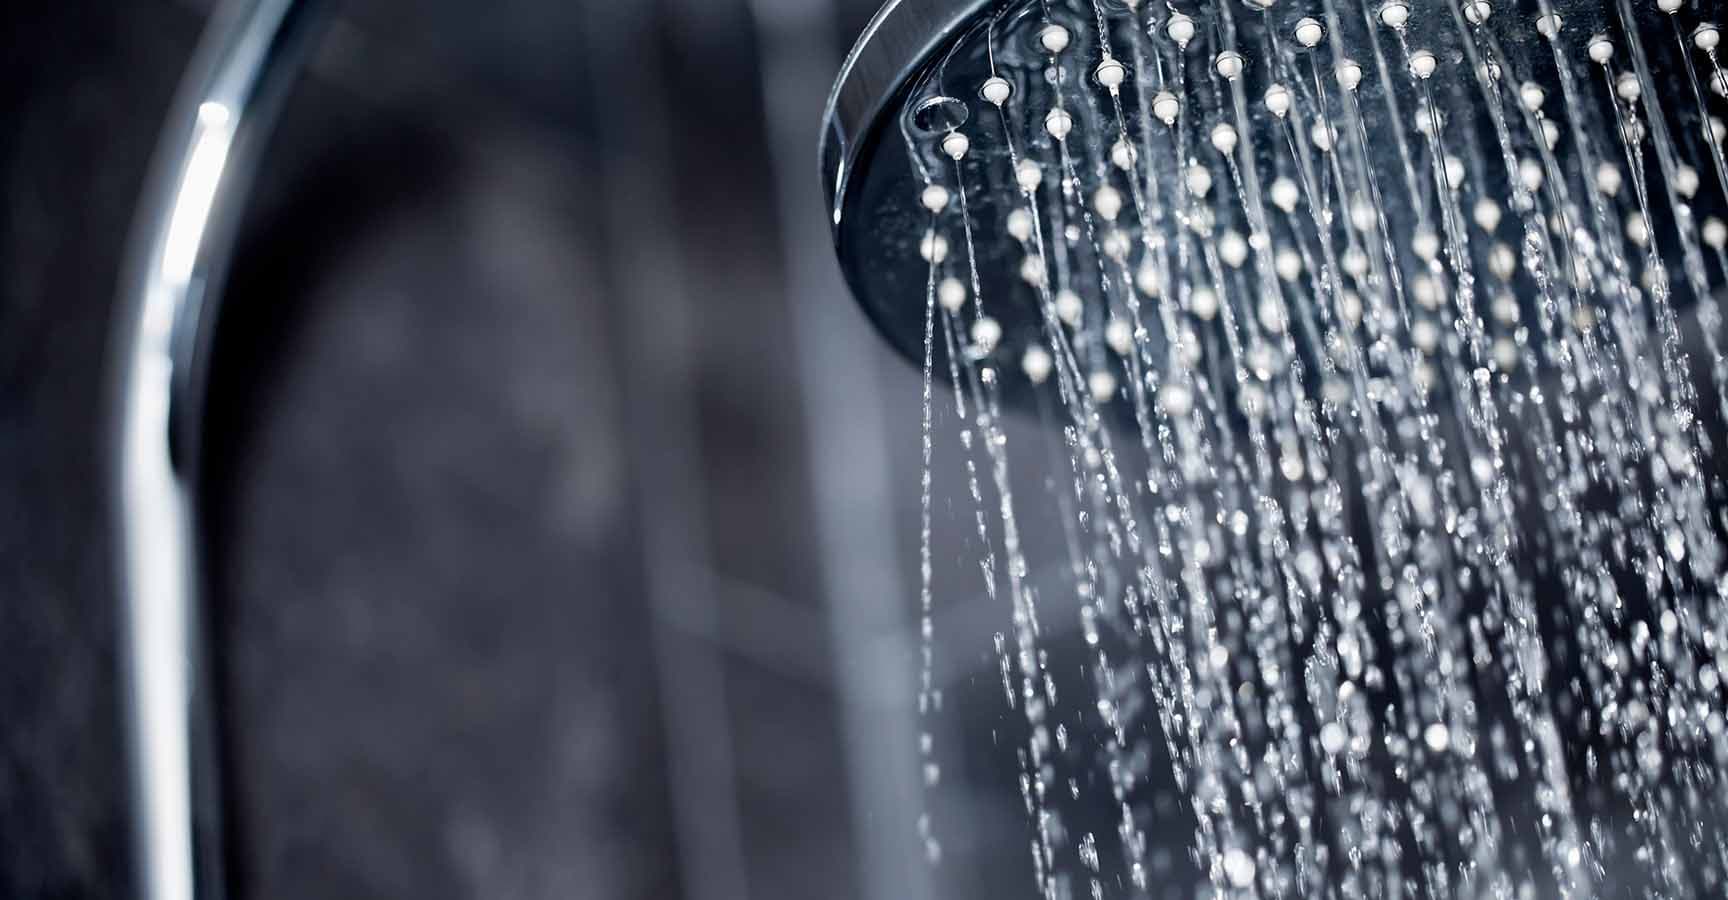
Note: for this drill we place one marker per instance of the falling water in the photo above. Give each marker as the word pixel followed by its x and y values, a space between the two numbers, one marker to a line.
pixel 1379 350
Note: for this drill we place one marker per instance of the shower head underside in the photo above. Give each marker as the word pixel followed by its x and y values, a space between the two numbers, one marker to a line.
pixel 1084 182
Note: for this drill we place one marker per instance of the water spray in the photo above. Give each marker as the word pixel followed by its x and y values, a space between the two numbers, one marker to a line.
pixel 1384 344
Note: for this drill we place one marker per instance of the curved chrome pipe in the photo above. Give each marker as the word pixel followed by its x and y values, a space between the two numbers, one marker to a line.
pixel 167 302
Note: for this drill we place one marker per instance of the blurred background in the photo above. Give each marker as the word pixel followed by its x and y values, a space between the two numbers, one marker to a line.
pixel 561 508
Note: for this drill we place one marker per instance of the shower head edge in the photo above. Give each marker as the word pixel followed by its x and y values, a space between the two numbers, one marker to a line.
pixel 899 40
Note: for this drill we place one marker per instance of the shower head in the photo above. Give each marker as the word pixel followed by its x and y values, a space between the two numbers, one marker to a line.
pixel 1364 327
pixel 1084 182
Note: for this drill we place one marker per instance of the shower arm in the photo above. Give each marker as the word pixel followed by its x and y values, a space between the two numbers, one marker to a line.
pixel 165 311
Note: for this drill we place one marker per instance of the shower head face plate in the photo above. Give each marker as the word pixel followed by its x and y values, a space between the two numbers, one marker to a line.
pixel 1127 190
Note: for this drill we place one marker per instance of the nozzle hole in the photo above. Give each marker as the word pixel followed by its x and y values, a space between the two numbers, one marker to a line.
pixel 939 115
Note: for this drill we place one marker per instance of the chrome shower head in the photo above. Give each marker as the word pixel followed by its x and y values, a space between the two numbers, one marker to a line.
pixel 1363 324
pixel 1097 178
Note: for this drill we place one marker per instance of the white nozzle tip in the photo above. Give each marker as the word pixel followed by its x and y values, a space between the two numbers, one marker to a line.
pixel 1166 107
pixel 951 293
pixel 986 333
pixel 1110 74
pixel 1228 64
pixel 1068 306
pixel 1123 155
pixel 1349 74
pixel 1180 29
pixel 1278 100
pixel 1036 363
pixel 1054 38
pixel 1120 336
pixel 955 145
pixel 1199 180
pixel 1232 249
pixel 1203 303
pixel 1531 95
pixel 1423 63
pixel 1176 399
pixel 934 198
pixel 1102 384
pixel 1224 138
pixel 1285 194
pixel 1028 175
pixel 1058 122
pixel 934 247
pixel 1107 202
pixel 1715 233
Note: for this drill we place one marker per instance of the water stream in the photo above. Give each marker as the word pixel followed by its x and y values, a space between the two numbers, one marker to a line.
pixel 1377 354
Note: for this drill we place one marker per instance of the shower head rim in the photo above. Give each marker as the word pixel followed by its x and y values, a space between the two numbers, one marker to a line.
pixel 899 41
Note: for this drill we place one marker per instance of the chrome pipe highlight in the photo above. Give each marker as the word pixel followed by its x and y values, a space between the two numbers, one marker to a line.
pixel 167 301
